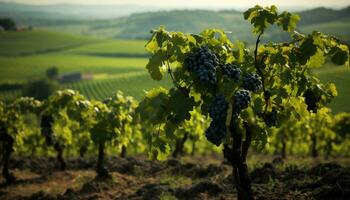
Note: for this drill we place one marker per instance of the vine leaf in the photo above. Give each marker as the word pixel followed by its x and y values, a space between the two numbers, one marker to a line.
pixel 341 55
pixel 288 21
pixel 152 108
pixel 180 105
pixel 155 67
pixel 261 18
pixel 307 50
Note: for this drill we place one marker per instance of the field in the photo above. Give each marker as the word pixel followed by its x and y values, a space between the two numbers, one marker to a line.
pixel 35 42
pixel 115 64
pixel 341 77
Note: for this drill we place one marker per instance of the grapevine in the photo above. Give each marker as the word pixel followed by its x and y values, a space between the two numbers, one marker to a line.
pixel 242 99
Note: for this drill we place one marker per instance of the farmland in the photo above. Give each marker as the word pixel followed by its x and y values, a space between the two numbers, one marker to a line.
pixel 115 64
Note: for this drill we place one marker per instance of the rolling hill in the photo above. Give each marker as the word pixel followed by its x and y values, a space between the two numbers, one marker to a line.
pixel 113 22
pixel 33 42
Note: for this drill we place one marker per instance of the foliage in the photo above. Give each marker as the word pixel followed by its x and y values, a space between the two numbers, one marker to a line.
pixel 40 89
pixel 52 73
pixel 113 120
pixel 8 24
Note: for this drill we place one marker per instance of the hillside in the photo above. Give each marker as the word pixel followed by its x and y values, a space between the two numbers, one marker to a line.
pixel 26 12
pixel 119 22
pixel 34 42
pixel 322 15
pixel 137 26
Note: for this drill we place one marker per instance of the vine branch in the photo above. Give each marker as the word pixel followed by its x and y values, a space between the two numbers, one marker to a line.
pixel 247 142
pixel 260 72
pixel 177 85
pixel 172 76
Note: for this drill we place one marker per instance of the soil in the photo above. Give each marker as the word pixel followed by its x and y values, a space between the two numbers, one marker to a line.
pixel 137 178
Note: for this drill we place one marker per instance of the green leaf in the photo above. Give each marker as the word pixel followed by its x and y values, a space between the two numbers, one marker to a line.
pixel 288 21
pixel 153 107
pixel 341 55
pixel 258 105
pixel 261 18
pixel 307 50
pixel 317 60
pixel 155 66
pixel 180 105
pixel 161 149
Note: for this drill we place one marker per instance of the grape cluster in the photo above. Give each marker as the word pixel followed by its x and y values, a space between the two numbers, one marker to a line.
pixel 271 118
pixel 216 133
pixel 251 82
pixel 217 129
pixel 311 100
pixel 231 71
pixel 241 100
pixel 202 62
pixel 218 108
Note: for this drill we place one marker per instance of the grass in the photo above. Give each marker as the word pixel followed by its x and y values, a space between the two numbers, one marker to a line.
pixel 32 42
pixel 20 69
pixel 27 55
pixel 128 48
pixel 337 28
pixel 340 75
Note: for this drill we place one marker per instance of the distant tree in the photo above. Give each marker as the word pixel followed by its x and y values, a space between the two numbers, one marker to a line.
pixel 52 72
pixel 8 24
pixel 40 89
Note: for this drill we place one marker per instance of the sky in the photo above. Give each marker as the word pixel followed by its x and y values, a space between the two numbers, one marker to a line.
pixel 198 3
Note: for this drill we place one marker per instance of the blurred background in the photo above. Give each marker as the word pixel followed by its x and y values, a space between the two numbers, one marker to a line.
pixel 97 46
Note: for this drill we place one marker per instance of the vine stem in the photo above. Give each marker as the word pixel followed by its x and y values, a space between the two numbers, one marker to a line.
pixel 260 72
pixel 177 85
pixel 172 76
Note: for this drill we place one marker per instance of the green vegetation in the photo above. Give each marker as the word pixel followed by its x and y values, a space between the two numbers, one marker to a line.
pixel 133 83
pixel 34 42
pixel 16 69
pixel 40 89
pixel 341 77
pixel 7 24
pixel 112 48
pixel 115 64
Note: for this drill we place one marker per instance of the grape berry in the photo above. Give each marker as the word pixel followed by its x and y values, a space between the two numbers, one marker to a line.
pixel 231 71
pixel 202 62
pixel 216 132
pixel 218 108
pixel 241 100
pixel 251 82
pixel 218 112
